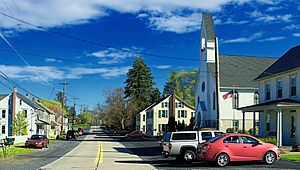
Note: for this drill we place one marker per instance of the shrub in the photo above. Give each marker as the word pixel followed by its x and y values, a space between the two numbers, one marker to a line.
pixel 251 131
pixel 229 130
pixel 269 140
pixel 61 136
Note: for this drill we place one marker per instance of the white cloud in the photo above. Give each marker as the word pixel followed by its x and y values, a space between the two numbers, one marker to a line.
pixel 292 27
pixel 176 23
pixel 273 8
pixel 52 60
pixel 113 56
pixel 260 17
pixel 272 39
pixel 243 39
pixel 297 34
pixel 269 2
pixel 48 73
pixel 232 21
pixel 162 66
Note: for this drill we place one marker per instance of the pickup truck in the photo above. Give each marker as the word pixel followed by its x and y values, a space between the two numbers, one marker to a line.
pixel 183 144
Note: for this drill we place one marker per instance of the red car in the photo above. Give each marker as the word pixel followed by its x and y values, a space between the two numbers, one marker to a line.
pixel 37 141
pixel 237 147
pixel 136 135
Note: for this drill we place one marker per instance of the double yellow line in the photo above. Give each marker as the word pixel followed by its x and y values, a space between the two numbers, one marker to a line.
pixel 99 156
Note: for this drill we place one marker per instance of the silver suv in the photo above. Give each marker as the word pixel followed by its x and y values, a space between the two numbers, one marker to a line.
pixel 183 144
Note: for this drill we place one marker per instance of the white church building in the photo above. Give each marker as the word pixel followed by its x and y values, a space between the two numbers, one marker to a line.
pixel 225 74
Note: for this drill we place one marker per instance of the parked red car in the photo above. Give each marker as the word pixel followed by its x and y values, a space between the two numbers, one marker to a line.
pixel 136 135
pixel 237 147
pixel 121 132
pixel 37 141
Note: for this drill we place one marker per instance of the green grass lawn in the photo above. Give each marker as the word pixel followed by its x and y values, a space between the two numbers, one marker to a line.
pixel 15 150
pixel 291 157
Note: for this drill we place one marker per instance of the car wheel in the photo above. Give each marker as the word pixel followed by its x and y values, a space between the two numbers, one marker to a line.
pixel 270 157
pixel 46 146
pixel 222 159
pixel 189 156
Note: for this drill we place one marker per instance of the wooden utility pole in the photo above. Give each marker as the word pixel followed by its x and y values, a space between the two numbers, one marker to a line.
pixel 217 84
pixel 74 112
pixel 63 103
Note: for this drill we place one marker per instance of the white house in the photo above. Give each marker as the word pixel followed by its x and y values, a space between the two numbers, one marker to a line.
pixel 157 115
pixel 220 74
pixel 279 107
pixel 4 108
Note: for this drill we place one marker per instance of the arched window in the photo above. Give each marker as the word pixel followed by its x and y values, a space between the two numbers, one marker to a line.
pixel 235 102
pixel 214 101
pixel 256 98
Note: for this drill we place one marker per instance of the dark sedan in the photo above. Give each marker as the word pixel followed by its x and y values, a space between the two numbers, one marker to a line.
pixel 37 141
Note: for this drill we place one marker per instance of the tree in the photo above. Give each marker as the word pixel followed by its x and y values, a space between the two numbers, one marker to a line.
pixel 20 124
pixel 60 98
pixel 139 85
pixel 86 117
pixel 192 123
pixel 54 106
pixel 182 83
pixel 155 95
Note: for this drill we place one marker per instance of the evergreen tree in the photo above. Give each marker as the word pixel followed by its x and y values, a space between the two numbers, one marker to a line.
pixel 169 87
pixel 139 85
pixel 155 95
pixel 171 124
pixel 20 124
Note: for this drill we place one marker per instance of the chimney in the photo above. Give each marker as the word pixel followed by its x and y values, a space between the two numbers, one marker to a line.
pixel 33 99
pixel 14 106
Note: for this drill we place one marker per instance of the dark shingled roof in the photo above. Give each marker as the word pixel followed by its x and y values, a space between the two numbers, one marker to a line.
pixel 290 60
pixel 240 71
pixel 209 26
pixel 2 96
pixel 29 102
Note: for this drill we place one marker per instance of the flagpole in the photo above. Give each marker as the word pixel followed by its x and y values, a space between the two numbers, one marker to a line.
pixel 234 104
pixel 217 85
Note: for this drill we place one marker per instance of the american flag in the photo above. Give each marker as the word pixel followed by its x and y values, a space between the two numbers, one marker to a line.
pixel 228 95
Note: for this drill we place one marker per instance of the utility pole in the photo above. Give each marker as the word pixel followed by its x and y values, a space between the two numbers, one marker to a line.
pixel 74 112
pixel 217 84
pixel 64 84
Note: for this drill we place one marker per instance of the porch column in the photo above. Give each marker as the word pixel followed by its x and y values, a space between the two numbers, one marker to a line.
pixel 279 128
pixel 254 128
pixel 243 130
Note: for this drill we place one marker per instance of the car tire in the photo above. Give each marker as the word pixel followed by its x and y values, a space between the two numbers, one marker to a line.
pixel 47 145
pixel 222 160
pixel 269 158
pixel 188 156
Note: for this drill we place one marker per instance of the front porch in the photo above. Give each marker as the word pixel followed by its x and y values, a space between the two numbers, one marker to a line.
pixel 277 118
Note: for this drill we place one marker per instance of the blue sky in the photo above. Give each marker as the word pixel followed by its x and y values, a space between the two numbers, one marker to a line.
pixel 163 28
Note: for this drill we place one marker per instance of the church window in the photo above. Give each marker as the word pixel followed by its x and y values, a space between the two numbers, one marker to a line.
pixel 235 102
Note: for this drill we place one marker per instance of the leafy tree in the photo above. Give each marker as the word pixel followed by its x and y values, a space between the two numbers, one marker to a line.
pixel 155 95
pixel 182 83
pixel 192 123
pixel 139 85
pixel 60 98
pixel 171 124
pixel 54 105
pixel 20 124
pixel 86 117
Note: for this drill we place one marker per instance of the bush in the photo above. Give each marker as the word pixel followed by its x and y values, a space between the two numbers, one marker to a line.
pixel 269 140
pixel 229 130
pixel 241 131
pixel 61 136
pixel 251 131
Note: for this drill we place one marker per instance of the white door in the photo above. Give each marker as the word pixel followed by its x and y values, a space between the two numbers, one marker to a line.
pixel 293 128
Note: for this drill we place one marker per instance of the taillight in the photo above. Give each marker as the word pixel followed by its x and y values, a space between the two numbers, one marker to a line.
pixel 170 146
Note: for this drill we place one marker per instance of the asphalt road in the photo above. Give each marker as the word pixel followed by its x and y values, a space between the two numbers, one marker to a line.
pixel 40 157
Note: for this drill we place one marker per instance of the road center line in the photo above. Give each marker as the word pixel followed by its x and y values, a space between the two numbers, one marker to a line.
pixel 99 156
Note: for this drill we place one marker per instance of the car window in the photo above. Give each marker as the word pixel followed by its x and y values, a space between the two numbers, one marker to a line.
pixel 248 140
pixel 206 135
pixel 232 139
pixel 219 133
pixel 184 136
pixel 36 137
pixel 212 140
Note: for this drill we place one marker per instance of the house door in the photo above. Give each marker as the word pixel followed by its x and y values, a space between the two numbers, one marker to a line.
pixel 293 127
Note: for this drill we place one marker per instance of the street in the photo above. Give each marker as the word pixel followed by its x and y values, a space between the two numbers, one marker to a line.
pixel 99 150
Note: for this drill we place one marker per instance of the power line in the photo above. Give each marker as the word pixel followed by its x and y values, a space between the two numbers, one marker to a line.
pixel 94 43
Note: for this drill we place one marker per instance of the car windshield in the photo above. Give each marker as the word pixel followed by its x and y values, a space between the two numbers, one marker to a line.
pixel 212 140
pixel 36 137
pixel 167 137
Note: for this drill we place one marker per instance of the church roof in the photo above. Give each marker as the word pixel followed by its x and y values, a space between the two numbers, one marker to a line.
pixel 240 71
pixel 290 60
pixel 209 26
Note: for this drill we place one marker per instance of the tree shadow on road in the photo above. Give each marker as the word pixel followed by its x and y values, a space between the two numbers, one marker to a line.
pixel 144 151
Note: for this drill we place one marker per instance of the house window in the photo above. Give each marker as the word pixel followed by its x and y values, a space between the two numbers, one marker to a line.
pixel 3 114
pixel 166 104
pixel 25 112
pixel 214 100
pixel 268 122
pixel 159 114
pixel 279 88
pixel 185 114
pixel 3 129
pixel 235 103
pixel 144 128
pixel 235 125
pixel 293 86
pixel 192 114
pixel 267 91
pixel 179 104
pixel 178 114
pixel 293 127
pixel 256 98
pixel 20 102
pixel 144 117
pixel 182 113
pixel 162 104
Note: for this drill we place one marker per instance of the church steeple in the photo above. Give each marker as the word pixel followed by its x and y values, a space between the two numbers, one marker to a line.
pixel 207 48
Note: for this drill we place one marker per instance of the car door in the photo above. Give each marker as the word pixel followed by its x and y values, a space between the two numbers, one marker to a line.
pixel 252 150
pixel 233 146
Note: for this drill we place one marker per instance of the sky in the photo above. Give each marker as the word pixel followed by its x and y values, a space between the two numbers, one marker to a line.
pixel 92 44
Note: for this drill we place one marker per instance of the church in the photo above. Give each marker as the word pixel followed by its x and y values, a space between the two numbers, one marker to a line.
pixel 225 83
